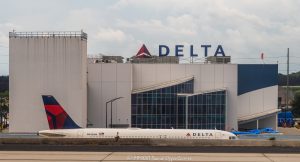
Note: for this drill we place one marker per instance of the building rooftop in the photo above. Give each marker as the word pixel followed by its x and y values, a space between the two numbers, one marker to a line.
pixel 81 34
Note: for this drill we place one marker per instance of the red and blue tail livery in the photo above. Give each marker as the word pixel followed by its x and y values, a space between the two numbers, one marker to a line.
pixel 56 115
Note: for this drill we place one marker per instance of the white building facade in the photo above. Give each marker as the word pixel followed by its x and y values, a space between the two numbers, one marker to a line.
pixel 46 64
pixel 250 95
pixel 148 95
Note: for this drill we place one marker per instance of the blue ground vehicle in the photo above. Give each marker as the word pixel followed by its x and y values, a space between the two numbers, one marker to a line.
pixel 285 117
pixel 256 131
pixel 268 130
pixel 252 131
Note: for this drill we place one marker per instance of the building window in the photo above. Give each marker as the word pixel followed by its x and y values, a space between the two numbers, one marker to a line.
pixel 164 108
pixel 158 108
pixel 209 114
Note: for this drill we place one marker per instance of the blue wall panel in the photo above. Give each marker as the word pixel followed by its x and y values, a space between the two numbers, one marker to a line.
pixel 256 76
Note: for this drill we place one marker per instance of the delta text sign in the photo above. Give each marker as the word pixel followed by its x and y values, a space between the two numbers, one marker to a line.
pixel 179 50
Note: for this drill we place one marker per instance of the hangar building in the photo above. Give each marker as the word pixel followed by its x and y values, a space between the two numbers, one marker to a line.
pixel 136 93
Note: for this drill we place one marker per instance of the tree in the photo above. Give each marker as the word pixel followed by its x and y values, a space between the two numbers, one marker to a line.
pixel 4 94
pixel 296 105
pixel 4 83
pixel 4 110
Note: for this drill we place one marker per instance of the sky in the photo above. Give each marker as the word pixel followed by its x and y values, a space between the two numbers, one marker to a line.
pixel 245 29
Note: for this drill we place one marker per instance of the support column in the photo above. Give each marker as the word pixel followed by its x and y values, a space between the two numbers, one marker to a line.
pixel 186 112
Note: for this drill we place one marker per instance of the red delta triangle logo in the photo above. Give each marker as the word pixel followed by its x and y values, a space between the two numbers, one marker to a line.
pixel 143 52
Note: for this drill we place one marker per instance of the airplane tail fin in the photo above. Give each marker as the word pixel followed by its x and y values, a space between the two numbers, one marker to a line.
pixel 56 115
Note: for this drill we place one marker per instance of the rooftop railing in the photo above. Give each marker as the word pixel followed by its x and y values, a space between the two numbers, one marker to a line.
pixel 49 34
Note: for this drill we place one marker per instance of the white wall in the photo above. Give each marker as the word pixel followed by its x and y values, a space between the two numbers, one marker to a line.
pixel 207 77
pixel 258 101
pixel 46 65
pixel 249 125
pixel 230 82
pixel 268 122
pixel 106 82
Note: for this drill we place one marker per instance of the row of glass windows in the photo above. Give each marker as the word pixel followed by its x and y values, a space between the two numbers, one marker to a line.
pixel 163 108
pixel 187 87
pixel 197 119
pixel 207 99
pixel 153 109
pixel 169 109
pixel 172 119
pixel 163 100
pixel 206 109
pixel 156 126
pixel 207 126
pixel 169 126
pixel 154 119
pixel 160 94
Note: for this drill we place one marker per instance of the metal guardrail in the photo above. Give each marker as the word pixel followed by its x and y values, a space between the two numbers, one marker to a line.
pixel 49 34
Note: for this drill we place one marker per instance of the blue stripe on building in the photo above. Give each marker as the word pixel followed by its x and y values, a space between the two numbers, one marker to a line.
pixel 252 77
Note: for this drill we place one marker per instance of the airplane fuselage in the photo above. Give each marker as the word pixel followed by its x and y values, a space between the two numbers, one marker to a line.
pixel 62 125
pixel 137 133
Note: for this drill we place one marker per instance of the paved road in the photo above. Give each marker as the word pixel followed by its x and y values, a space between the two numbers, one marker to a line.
pixel 22 156
pixel 124 148
pixel 19 135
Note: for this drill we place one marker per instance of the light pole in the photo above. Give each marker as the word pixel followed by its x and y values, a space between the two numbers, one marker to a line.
pixel 106 114
pixel 110 101
pixel 287 86
pixel 111 114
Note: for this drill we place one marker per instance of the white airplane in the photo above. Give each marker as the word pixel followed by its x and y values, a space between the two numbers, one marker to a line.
pixel 61 125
